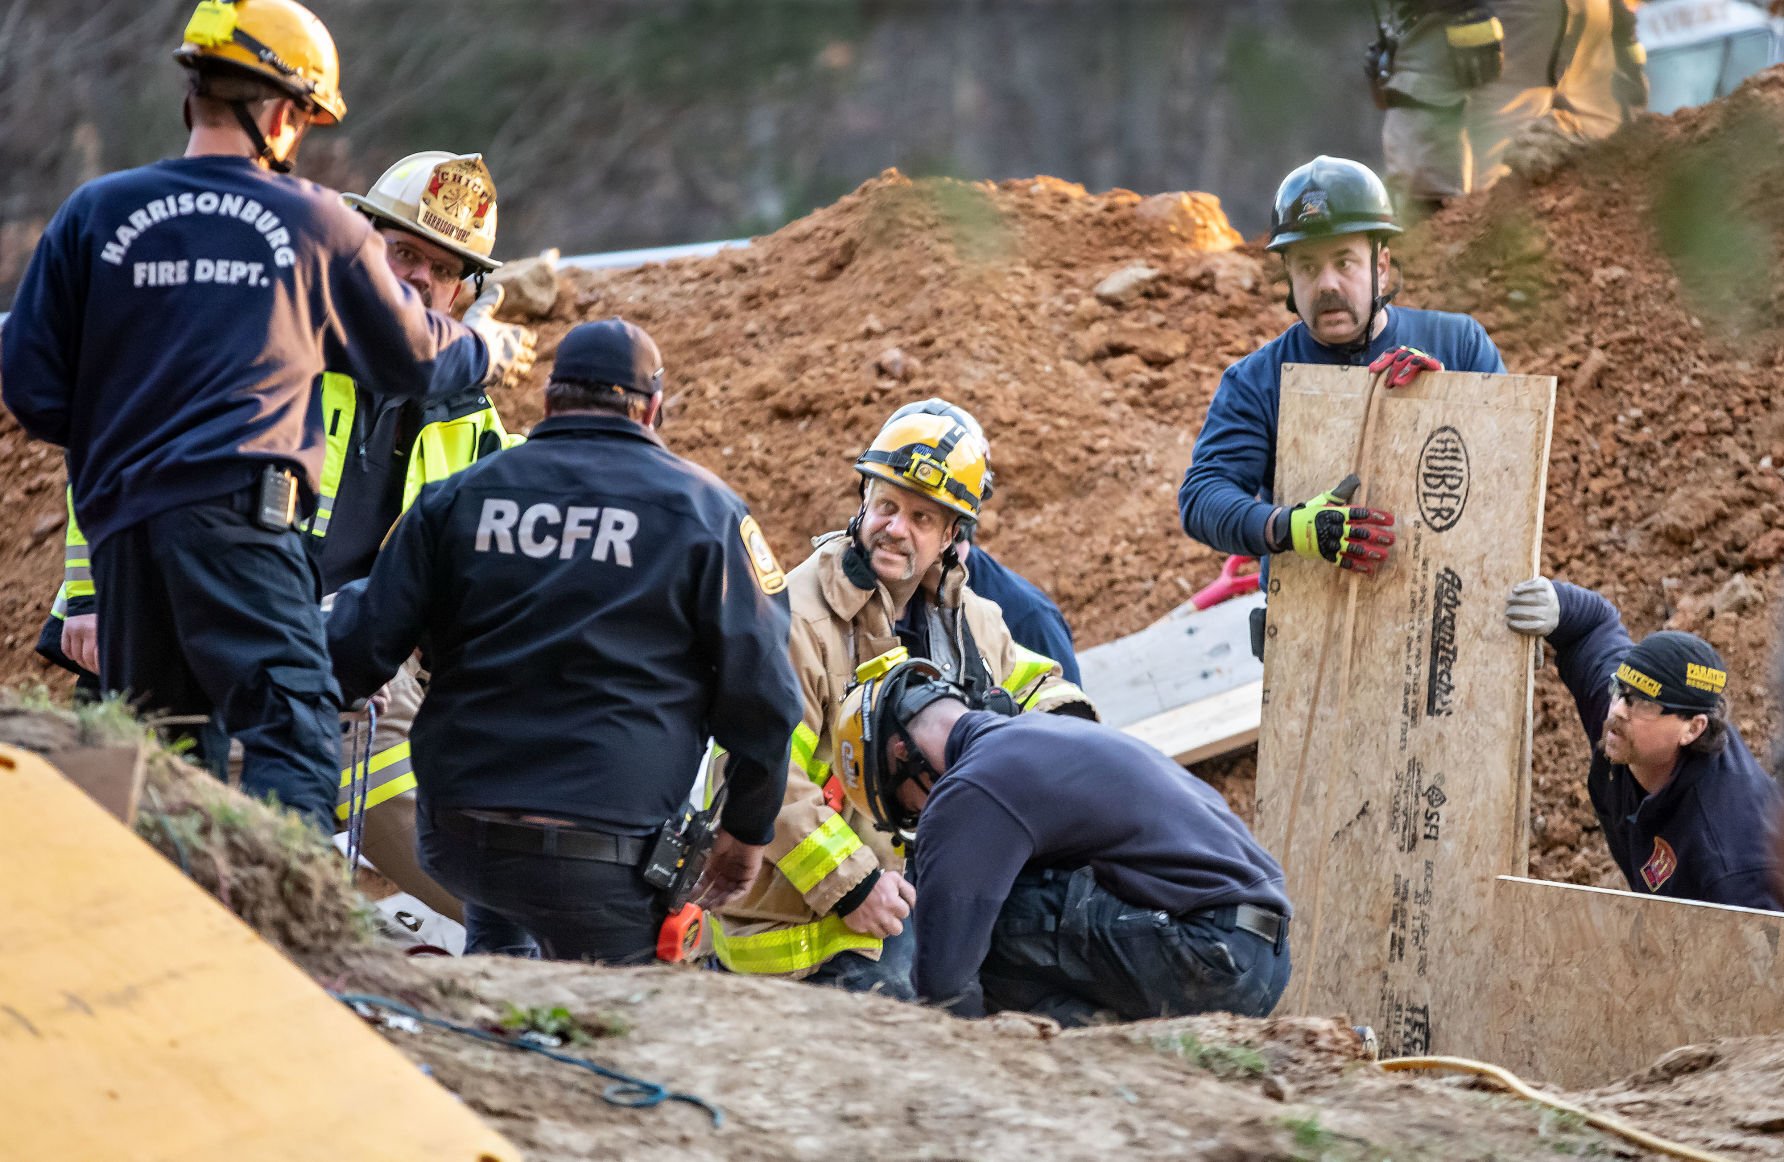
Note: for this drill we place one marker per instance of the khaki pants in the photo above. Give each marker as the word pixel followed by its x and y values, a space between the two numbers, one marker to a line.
pixel 1441 141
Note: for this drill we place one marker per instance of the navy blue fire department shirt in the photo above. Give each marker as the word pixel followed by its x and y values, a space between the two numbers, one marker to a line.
pixel 591 607
pixel 1030 615
pixel 1048 791
pixel 171 327
pixel 1225 499
pixel 1705 835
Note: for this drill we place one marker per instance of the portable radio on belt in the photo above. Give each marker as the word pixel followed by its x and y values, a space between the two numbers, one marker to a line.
pixel 679 854
pixel 278 499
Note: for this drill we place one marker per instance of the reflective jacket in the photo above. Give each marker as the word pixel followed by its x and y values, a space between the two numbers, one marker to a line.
pixel 380 452
pixel 74 597
pixel 823 847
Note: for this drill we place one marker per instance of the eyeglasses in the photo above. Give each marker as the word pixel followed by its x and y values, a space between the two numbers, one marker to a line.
pixel 410 258
pixel 1639 704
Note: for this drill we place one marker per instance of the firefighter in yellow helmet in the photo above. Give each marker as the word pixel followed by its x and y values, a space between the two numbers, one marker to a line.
pixel 238 50
pixel 169 333
pixel 833 906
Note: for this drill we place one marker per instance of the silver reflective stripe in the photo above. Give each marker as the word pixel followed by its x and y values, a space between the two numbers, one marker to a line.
pixel 324 514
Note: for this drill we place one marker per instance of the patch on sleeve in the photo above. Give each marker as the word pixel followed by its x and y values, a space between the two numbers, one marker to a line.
pixel 1660 866
pixel 769 577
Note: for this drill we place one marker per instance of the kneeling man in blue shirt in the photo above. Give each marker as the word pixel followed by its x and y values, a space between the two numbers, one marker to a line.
pixel 1062 867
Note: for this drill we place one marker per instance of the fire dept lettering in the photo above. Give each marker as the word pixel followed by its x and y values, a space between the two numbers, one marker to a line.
pixel 543 530
pixel 239 206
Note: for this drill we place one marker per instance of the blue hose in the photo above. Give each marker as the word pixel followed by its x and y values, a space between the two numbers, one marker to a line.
pixel 628 1091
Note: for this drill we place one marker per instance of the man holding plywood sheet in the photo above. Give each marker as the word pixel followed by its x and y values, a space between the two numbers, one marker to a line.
pixel 1331 222
pixel 1394 754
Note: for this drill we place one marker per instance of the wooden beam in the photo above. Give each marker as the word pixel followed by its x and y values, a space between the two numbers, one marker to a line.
pixel 1585 985
pixel 1207 729
pixel 1393 759
pixel 140 1019
pixel 1187 656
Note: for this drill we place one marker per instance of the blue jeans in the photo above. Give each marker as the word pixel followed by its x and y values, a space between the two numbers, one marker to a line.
pixel 575 909
pixel 489 933
pixel 1068 948
pixel 207 614
pixel 889 976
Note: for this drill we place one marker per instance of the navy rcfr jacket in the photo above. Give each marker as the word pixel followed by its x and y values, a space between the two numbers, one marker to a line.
pixel 1049 791
pixel 1226 496
pixel 1704 836
pixel 171 327
pixel 591 607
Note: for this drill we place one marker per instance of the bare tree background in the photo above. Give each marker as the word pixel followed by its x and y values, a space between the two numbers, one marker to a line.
pixel 620 123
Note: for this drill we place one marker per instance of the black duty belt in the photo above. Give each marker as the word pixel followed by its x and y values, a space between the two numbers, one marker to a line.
pixel 551 840
pixel 1260 922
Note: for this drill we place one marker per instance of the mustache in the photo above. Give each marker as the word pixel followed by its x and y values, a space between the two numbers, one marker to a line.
pixel 1332 301
pixel 885 541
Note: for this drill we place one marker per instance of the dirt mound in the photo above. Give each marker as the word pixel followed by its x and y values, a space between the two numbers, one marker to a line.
pixel 809 1072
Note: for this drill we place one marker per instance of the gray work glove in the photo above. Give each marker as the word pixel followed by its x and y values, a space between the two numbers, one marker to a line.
pixel 1533 608
pixel 511 345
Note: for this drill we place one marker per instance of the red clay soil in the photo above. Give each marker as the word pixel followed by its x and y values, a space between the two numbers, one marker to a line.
pixel 1644 284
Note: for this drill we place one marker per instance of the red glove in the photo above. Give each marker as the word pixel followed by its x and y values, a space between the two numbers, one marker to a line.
pixel 1403 365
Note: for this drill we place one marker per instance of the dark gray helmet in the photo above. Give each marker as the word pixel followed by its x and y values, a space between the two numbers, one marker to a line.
pixel 1328 197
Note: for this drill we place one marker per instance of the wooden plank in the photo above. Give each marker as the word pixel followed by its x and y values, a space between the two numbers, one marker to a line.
pixel 112 775
pixel 1393 758
pixel 139 1019
pixel 1587 985
pixel 1188 656
pixel 1219 725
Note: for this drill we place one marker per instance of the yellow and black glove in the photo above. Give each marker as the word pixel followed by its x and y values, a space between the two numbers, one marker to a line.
pixel 1477 47
pixel 1328 528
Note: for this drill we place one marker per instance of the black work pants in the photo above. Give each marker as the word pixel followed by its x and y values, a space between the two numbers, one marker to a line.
pixel 1070 949
pixel 575 909
pixel 203 613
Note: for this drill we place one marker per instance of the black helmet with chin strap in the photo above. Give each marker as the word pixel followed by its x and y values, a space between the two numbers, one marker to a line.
pixel 889 692
pixel 1331 197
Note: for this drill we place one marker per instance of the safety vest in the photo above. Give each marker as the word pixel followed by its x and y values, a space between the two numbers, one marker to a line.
pixel 453 436
pixel 77 564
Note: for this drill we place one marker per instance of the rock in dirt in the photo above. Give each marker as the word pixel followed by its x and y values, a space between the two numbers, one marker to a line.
pixel 1195 218
pixel 529 287
pixel 1126 284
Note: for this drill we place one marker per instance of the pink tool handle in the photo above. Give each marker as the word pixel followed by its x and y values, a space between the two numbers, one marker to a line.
pixel 1230 583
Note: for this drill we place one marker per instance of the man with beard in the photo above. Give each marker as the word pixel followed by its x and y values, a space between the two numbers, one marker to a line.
pixel 1330 223
pixel 832 908
pixel 1686 809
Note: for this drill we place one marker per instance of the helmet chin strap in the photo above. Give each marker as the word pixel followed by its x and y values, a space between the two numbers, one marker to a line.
pixel 262 150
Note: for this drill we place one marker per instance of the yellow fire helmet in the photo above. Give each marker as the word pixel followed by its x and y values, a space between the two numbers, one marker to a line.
pixel 447 198
pixel 936 406
pixel 888 692
pixel 279 41
pixel 932 455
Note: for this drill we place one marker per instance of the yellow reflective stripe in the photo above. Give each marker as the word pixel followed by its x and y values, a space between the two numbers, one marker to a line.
pixel 59 610
pixel 819 854
pixel 339 401
pixel 784 950
pixel 805 745
pixel 391 773
pixel 77 561
pixel 1030 667
pixel 447 446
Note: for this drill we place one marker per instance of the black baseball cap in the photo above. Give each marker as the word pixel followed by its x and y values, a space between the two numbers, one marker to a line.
pixel 612 352
pixel 1680 671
